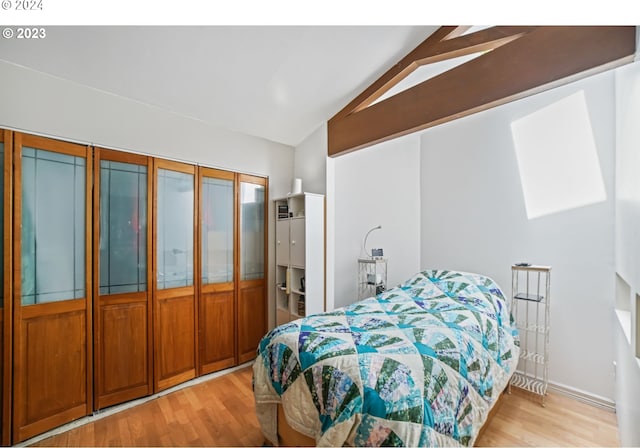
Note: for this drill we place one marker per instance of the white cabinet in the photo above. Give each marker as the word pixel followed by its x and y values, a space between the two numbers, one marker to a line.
pixel 297 249
pixel 282 242
pixel 530 307
pixel 300 278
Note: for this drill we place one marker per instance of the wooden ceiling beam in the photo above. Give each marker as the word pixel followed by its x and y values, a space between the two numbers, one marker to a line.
pixel 433 50
pixel 397 72
pixel 483 40
pixel 524 60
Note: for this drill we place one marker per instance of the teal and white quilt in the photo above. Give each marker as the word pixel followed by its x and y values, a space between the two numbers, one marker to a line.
pixel 418 365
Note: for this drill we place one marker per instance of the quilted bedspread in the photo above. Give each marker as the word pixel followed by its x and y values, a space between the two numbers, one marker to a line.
pixel 418 365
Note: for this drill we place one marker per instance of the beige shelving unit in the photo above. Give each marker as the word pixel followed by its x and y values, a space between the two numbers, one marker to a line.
pixel 530 306
pixel 299 223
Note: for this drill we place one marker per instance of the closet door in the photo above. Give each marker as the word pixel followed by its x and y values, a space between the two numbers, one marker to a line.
pixel 6 143
pixel 217 304
pixel 52 281
pixel 252 296
pixel 122 298
pixel 174 307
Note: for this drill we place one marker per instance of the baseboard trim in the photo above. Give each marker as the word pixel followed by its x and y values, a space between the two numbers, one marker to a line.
pixel 97 415
pixel 585 397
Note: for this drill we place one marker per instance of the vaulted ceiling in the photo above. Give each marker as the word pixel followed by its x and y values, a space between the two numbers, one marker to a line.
pixel 282 82
pixel 275 82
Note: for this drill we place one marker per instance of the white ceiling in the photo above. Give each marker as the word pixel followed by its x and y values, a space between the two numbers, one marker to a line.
pixel 275 82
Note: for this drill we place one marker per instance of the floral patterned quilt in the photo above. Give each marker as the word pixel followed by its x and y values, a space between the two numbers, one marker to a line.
pixel 418 365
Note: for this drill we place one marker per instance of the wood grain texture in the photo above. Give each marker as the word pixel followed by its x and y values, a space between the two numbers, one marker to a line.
pixel 52 360
pixel 542 58
pixel 123 368
pixel 252 309
pixel 6 312
pixel 522 421
pixel 217 331
pixel 218 412
pixel 175 340
pixel 221 412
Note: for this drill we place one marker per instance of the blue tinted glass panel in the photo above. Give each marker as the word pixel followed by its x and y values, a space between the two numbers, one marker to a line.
pixel 175 229
pixel 252 231
pixel 123 227
pixel 217 230
pixel 53 226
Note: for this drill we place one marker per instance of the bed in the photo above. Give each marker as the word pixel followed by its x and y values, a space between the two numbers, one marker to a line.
pixel 421 364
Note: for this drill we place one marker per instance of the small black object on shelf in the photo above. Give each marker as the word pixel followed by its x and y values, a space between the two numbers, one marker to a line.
pixel 377 253
pixel 530 297
pixel 283 211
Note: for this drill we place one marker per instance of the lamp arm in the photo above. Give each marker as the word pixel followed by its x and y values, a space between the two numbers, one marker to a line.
pixel 364 243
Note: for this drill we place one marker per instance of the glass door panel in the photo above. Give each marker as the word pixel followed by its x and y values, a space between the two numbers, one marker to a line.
pixel 53 214
pixel 252 221
pixel 175 229
pixel 123 221
pixel 217 230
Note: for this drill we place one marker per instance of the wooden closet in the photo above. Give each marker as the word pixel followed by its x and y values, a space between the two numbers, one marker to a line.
pixel 123 275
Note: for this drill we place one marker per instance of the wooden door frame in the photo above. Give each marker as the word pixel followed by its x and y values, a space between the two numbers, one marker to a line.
pixel 6 137
pixel 159 163
pixel 137 159
pixel 21 140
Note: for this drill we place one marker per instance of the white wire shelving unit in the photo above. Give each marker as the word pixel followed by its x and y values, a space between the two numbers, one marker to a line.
pixel 530 307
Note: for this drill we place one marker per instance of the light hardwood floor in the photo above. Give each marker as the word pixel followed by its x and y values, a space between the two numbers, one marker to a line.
pixel 220 412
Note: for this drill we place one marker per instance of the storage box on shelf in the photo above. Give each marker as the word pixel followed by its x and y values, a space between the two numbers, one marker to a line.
pixel 299 256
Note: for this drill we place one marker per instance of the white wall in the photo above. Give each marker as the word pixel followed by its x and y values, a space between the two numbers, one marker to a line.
pixel 628 174
pixel 377 186
pixel 474 218
pixel 35 102
pixel 310 162
pixel 316 170
pixel 628 249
